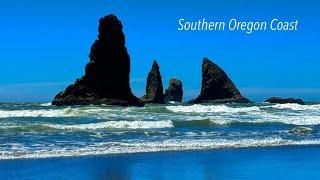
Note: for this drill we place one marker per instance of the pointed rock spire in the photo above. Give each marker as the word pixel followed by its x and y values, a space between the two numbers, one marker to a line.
pixel 154 88
pixel 216 86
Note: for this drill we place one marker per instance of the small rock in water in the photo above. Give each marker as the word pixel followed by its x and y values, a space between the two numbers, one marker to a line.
pixel 278 100
pixel 174 91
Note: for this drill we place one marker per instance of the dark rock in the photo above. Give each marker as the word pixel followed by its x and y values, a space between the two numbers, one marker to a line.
pixel 106 79
pixel 217 87
pixel 174 91
pixel 154 88
pixel 285 100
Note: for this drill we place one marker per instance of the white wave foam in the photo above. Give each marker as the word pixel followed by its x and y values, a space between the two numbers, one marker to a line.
pixel 64 112
pixel 218 114
pixel 173 102
pixel 297 107
pixel 295 120
pixel 198 108
pixel 36 113
pixel 116 125
pixel 135 147
pixel 46 104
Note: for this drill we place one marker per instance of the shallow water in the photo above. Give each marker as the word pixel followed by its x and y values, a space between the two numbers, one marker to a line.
pixel 33 130
pixel 282 162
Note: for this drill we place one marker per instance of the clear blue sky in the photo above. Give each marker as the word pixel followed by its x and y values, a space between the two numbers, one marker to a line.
pixel 44 45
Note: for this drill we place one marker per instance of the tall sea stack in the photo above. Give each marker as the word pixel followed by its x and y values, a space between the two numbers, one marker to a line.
pixel 154 88
pixel 106 79
pixel 216 86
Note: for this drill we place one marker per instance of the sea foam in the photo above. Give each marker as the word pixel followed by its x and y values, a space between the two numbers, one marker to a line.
pixel 21 152
pixel 198 108
pixel 297 107
pixel 36 113
pixel 115 125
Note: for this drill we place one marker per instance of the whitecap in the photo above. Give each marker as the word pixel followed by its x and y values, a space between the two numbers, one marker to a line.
pixel 46 104
pixel 36 113
pixel 296 107
pixel 198 108
pixel 63 112
pixel 135 147
pixel 115 125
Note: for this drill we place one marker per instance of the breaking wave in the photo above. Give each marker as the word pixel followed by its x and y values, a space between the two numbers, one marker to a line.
pixel 198 108
pixel 63 112
pixel 297 107
pixel 36 113
pixel 163 124
pixel 116 125
pixel 135 147
pixel 37 130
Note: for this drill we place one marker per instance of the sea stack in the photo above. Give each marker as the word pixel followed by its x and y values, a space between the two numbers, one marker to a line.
pixel 216 87
pixel 106 79
pixel 174 91
pixel 277 100
pixel 154 88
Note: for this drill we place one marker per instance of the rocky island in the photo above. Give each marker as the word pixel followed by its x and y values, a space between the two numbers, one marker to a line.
pixel 277 100
pixel 217 87
pixel 106 79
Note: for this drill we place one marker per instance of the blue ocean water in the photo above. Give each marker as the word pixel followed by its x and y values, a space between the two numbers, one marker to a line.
pixel 41 130
pixel 33 133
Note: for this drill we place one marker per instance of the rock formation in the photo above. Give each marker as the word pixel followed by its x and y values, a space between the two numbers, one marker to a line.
pixel 154 88
pixel 216 86
pixel 285 100
pixel 174 91
pixel 106 79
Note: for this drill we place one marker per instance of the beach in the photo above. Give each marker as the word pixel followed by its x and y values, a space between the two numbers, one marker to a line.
pixel 285 162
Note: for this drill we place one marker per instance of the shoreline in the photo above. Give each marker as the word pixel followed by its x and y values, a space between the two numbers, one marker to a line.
pixel 243 163
pixel 95 155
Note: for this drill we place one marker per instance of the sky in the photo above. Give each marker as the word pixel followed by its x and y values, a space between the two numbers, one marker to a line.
pixel 44 45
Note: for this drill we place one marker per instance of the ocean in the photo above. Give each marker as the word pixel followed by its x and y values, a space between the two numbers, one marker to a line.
pixel 35 132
